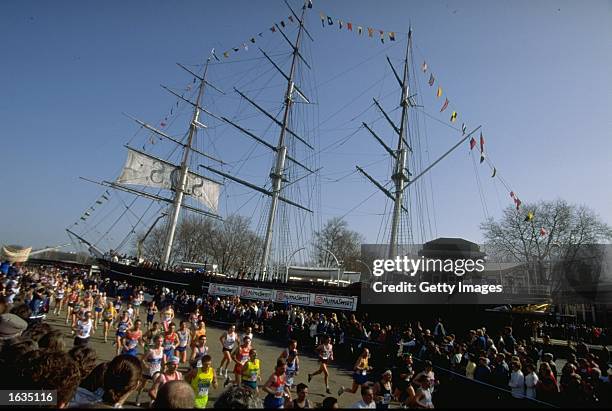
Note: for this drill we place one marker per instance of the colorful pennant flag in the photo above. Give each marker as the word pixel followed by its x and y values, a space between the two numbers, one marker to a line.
pixel 512 195
pixel 309 4
pixel 424 67
pixel 518 203
pixel 529 216
pixel 290 18
pixel 445 105
pixel 392 35
pixel 481 142
pixel 215 55
pixel 472 143
pixel 322 19
pixel 330 22
pixel 340 23
pixel 543 232
pixel 370 32
pixel 382 36
pixel 431 80
pixel 453 117
pixel 349 26
pixel 282 23
pixel 252 39
pixel 439 92
pixel 359 30
pixel 225 54
pixel 463 128
pixel 273 29
pixel 494 172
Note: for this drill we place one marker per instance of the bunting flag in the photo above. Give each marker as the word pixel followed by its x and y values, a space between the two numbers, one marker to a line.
pixel 444 106
pixel 215 55
pixel 359 30
pixel 512 195
pixel 87 213
pixel 439 92
pixel 370 32
pixel 309 4
pixel 282 23
pixel 83 218
pixel 322 19
pixel 453 117
pixel 382 36
pixel 518 203
pixel 290 18
pixel 494 172
pixel 543 232
pixel 226 54
pixel 98 202
pixel 340 23
pixel 529 216
pixel 431 80
pixel 245 47
pixel 424 67
pixel 472 143
pixel 482 157
pixel 463 128
pixel 349 26
pixel 330 22
pixel 481 143
pixel 273 29
pixel 162 124
pixel 392 35
pixel 252 39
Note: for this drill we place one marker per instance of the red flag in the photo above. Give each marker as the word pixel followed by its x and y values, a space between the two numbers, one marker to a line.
pixel 542 232
pixel 518 203
pixel 481 142
pixel 444 105
pixel 512 194
pixel 349 26
pixel 472 143
pixel 162 124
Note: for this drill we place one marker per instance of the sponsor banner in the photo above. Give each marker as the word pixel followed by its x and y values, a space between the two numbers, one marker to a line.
pixel 219 289
pixel 334 301
pixel 256 293
pixel 292 297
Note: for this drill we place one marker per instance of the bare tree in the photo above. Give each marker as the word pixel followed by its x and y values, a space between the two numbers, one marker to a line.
pixel 556 230
pixel 340 240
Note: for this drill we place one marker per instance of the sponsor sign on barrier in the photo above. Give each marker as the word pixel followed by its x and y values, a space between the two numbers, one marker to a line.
pixel 337 302
pixel 334 301
pixel 256 293
pixel 292 297
pixel 219 289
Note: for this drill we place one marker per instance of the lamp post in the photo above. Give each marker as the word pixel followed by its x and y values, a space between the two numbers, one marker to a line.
pixel 289 260
pixel 337 262
pixel 366 266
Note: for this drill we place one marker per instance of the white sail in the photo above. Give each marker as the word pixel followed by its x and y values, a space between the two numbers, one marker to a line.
pixel 145 170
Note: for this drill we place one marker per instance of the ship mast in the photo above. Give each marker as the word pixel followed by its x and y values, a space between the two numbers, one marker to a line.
pixel 401 173
pixel 281 154
pixel 184 169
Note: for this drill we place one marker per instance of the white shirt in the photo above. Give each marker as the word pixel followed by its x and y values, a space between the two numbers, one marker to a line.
pixel 84 328
pixel 361 405
pixel 531 380
pixel 517 384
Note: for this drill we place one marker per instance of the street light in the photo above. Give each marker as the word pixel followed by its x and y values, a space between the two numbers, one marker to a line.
pixel 289 260
pixel 366 266
pixel 335 258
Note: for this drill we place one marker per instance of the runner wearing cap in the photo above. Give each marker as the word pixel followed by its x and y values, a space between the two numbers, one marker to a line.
pixel 170 374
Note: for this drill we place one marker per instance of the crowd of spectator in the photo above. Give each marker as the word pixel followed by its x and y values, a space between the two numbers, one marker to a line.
pixel 439 364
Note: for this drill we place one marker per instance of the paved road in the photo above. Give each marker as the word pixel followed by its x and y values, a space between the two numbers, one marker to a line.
pixel 267 352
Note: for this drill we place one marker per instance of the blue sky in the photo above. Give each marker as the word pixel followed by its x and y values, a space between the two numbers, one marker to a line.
pixel 535 75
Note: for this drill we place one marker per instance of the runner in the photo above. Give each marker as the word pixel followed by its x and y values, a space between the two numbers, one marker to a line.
pixel 76 312
pixel 171 341
pixel 197 333
pixel 150 335
pixel 422 397
pixel 360 373
pixel 276 388
pixel 60 291
pixel 99 303
pixel 326 354
pixel 301 402
pixel 118 304
pixel 138 300
pixel 167 316
pixel 73 297
pixel 228 341
pixel 240 357
pixel 383 391
pixel 203 379
pixel 83 330
pixel 151 311
pixel 184 335
pixel 290 355
pixel 108 315
pixel 199 351
pixel 248 332
pixel 194 318
pixel 130 311
pixel 152 362
pixel 170 374
pixel 133 337
pixel 251 371
pixel 122 326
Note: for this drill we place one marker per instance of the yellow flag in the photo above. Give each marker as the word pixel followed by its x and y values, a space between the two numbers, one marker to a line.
pixel 453 117
pixel 439 93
